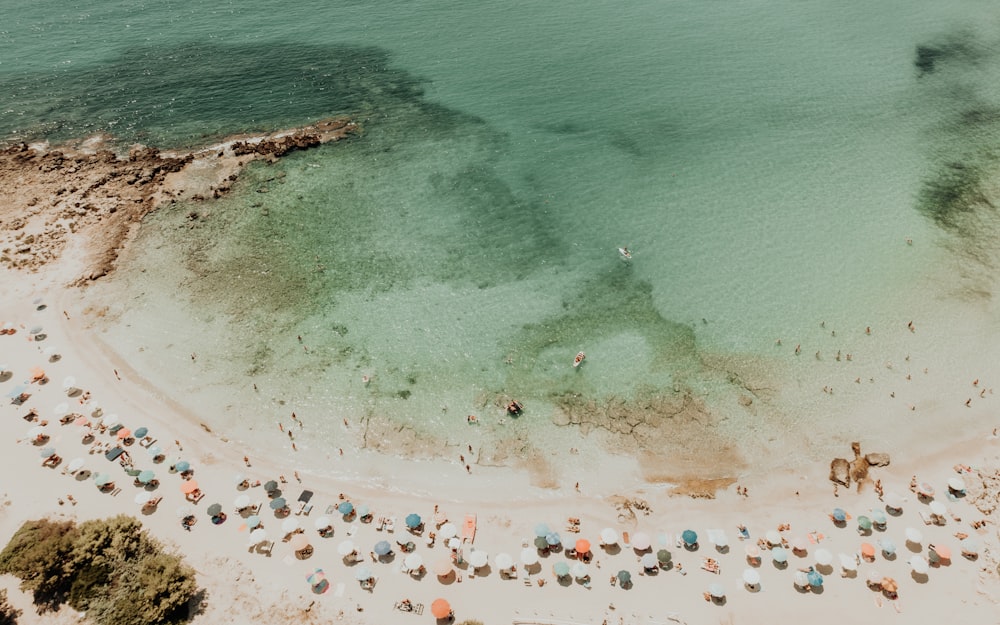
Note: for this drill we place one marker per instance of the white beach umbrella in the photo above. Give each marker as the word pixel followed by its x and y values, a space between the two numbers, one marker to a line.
pixel 69 383
pixel 649 561
pixel 969 546
pixel 894 501
pixel 773 537
pixel 4 367
pixel 184 510
pixel 823 557
pixel 454 543
pixel 914 536
pixel 919 565
pixel 143 497
pixel 503 561
pixel 51 353
pixel 874 577
pixel 241 501
pixel 75 465
pixel 641 541
pixel 848 563
pixel 579 570
pixel 346 547
pixel 60 409
pixel 239 478
pixel 258 536
pixel 289 525
pixel 478 558
pixel 529 556
pixel 448 530
pixel 751 577
pixel 110 420
pixel 938 508
pixel 801 579
pixel 609 536
pixel 956 484
pixel 322 523
pixel 36 431
pixel 413 561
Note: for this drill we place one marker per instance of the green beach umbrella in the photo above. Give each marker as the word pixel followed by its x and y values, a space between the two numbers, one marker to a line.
pixel 864 523
pixel 663 556
pixel 140 432
pixel 270 486
pixel 277 504
pixel 561 569
pixel 624 577
pixel 541 543
pixel 214 509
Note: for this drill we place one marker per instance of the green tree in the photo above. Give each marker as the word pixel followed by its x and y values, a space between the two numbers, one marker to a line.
pixel 8 613
pixel 38 554
pixel 103 547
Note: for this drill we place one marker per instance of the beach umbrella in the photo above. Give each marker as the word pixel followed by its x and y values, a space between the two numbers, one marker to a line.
pixel 60 409
pixel 839 515
pixel 848 563
pixel 914 536
pixel 48 452
pixel 413 561
pixel 448 530
pixel 345 508
pixel 35 432
pixel 580 570
pixel 648 561
pixel 289 525
pixel 412 521
pixel 717 591
pixel 941 551
pixel 799 543
pixel 443 567
pixel 453 542
pixel 800 579
pixel 299 542
pixel 316 578
pixel 440 608
pixel 184 511
pixel 663 556
pixel 69 382
pixel 146 476
pixel 503 561
pixel 956 484
pixel 751 577
pixel 553 539
pixel 772 537
pixel 868 550
pixel 189 486
pixel 363 573
pixel 690 537
pixel 641 541
pixel 241 501
pixel 382 547
pixel 140 432
pixel 182 466
pixel 540 543
pixel 75 465
pixel 102 479
pixel 258 536
pixel 253 521
pixel 82 421
pixel 582 545
pixel 823 557
pixel 478 558
pixel 440 516
pixel 814 578
pixel 889 584
pixel 270 486
pixel 361 510
pixel 132 472
pixel 878 517
pixel 110 420
pixel 938 508
pixel 154 451
pixel 752 552
pixel 346 548
pixel 214 510
pixel 864 523
pixel 124 433
pixel 239 478
pixel 919 565
pixel 322 523
pixel 529 556
pixel 969 546
pixel 624 577
pixel 779 555
pixel 561 569
pixel 609 536
pixel 925 490
pixel 278 503
pixel 18 391
pixel 888 547
pixel 542 529
pixel 894 501
pixel 143 497
pixel 36 330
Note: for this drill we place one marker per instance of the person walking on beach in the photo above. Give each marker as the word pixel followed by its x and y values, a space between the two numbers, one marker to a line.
pixel 246 460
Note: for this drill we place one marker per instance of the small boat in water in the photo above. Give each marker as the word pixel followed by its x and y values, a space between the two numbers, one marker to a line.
pixel 626 254
pixel 579 359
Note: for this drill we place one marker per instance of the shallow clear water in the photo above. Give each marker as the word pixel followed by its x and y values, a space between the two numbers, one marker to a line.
pixel 765 162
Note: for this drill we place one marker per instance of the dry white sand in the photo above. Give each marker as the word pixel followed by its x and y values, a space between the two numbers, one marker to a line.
pixel 245 586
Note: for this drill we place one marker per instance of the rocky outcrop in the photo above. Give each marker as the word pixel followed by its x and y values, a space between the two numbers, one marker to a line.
pixel 877 459
pixel 840 472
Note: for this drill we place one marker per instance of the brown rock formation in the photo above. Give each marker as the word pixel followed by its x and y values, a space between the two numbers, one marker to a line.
pixel 840 472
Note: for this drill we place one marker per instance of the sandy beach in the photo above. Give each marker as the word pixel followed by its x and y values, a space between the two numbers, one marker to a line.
pixel 53 326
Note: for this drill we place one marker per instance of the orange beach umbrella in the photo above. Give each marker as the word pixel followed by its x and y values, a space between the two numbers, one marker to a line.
pixel 440 608
pixel 868 550
pixel 189 487
pixel 582 545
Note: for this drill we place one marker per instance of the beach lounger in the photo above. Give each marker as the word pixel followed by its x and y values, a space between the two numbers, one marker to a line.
pixel 626 540
pixel 469 528
pixel 390 524
pixel 926 517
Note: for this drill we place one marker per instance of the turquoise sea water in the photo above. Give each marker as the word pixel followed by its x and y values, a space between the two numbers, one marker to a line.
pixel 766 163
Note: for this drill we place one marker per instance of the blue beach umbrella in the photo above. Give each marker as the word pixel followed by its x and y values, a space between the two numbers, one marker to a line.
pixel 146 476
pixel 690 537
pixel 561 569
pixel 345 508
pixel 839 515
pixel 878 516
pixel 382 547
pixel 139 433
pixel 542 529
pixel 154 451
pixel 412 521
pixel 553 539
pixel 182 466
pixel 253 521
pixel 277 504
pixel 779 555
pixel 18 391
pixel 814 578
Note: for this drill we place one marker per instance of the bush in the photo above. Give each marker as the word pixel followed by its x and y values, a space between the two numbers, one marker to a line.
pixel 8 613
pixel 38 555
